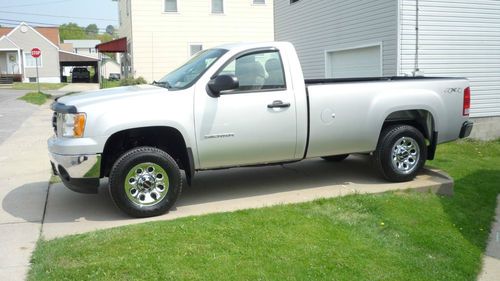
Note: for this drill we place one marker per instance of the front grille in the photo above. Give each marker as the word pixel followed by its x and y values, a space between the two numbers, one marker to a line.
pixel 54 122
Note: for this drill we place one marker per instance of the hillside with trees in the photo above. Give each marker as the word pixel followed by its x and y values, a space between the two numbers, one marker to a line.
pixel 72 31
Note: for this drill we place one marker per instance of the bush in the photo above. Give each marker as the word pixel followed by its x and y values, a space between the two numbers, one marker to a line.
pixel 131 81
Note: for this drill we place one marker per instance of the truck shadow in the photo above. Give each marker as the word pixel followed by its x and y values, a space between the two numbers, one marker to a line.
pixel 68 212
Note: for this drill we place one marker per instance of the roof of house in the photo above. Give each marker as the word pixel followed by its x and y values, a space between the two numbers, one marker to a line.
pixel 83 43
pixel 49 32
pixel 72 57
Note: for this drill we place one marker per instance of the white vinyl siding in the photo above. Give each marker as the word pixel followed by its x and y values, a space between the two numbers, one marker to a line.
pixel 316 26
pixel 160 41
pixel 458 38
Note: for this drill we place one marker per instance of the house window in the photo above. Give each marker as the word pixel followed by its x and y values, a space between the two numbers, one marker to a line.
pixel 194 48
pixel 170 5
pixel 294 1
pixel 30 61
pixel 259 2
pixel 217 6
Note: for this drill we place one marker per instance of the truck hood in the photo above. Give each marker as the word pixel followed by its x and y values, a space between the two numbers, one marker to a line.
pixel 89 98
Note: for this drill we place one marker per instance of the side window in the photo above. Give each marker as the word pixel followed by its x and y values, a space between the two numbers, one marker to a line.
pixel 257 71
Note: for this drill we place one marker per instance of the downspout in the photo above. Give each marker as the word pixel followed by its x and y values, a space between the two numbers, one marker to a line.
pixel 416 71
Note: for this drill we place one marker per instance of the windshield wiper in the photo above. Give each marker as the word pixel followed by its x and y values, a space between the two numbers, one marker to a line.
pixel 164 84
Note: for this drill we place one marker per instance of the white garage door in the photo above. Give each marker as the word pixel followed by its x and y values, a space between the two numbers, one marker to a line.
pixel 359 62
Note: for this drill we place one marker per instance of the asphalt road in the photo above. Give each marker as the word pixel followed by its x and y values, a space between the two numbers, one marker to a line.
pixel 13 112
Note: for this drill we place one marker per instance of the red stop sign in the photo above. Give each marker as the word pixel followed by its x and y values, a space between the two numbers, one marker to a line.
pixel 35 52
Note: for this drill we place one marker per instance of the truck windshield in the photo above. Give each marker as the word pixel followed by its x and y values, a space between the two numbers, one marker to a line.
pixel 186 75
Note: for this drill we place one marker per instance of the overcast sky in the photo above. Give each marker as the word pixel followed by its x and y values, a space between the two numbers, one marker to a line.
pixel 45 12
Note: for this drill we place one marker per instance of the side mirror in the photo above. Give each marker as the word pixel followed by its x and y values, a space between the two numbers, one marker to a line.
pixel 222 83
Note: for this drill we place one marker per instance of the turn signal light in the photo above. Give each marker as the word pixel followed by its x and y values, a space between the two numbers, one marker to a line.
pixel 79 125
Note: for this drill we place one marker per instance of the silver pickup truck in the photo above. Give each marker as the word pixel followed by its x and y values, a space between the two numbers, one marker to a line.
pixel 244 105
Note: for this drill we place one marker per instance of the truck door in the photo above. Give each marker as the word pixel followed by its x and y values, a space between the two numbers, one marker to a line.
pixel 252 124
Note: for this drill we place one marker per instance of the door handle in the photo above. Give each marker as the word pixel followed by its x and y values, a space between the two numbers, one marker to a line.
pixel 278 104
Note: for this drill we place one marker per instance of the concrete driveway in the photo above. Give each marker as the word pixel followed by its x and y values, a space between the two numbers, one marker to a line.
pixel 228 190
pixel 80 87
pixel 30 207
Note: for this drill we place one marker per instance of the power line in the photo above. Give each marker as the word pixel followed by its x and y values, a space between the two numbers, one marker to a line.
pixel 35 4
pixel 54 16
pixel 17 22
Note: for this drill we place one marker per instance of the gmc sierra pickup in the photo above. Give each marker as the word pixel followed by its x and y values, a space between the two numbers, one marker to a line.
pixel 243 105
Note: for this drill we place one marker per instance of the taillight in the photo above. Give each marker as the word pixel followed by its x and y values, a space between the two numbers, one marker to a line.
pixel 466 108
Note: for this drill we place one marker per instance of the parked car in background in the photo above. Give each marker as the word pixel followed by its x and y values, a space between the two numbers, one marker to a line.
pixel 114 77
pixel 244 105
pixel 80 74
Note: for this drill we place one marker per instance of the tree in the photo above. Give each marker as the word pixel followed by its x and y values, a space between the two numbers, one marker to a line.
pixel 71 30
pixel 105 37
pixel 92 30
pixel 110 29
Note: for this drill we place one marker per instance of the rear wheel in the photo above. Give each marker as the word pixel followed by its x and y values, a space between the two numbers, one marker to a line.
pixel 401 153
pixel 145 182
pixel 335 158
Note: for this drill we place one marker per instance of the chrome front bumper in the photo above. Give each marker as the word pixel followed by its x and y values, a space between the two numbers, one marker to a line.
pixel 79 173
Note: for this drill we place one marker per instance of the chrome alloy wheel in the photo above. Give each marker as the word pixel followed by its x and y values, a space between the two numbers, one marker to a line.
pixel 405 155
pixel 146 184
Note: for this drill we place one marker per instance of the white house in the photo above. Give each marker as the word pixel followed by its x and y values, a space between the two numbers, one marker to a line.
pixel 347 38
pixel 108 66
pixel 162 34
pixel 84 47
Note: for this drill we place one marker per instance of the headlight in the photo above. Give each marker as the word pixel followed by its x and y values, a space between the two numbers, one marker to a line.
pixel 72 125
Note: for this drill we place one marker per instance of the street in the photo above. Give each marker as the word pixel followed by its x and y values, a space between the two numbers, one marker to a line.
pixel 13 112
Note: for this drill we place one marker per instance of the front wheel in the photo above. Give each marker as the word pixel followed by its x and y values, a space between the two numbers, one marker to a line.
pixel 145 182
pixel 401 153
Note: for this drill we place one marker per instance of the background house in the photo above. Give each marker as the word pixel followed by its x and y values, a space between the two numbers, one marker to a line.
pixel 379 38
pixel 108 66
pixel 15 52
pixel 162 34
pixel 86 50
pixel 16 60
pixel 84 47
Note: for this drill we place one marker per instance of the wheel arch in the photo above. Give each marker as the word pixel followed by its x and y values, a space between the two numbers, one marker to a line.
pixel 168 139
pixel 422 119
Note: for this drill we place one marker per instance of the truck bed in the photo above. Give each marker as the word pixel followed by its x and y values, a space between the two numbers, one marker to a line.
pixel 350 112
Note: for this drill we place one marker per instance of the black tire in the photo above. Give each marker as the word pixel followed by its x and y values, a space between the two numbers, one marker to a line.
pixel 335 158
pixel 148 185
pixel 399 163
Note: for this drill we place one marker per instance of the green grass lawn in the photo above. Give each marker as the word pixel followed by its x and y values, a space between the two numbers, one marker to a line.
pixel 33 86
pixel 110 84
pixel 35 98
pixel 390 236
